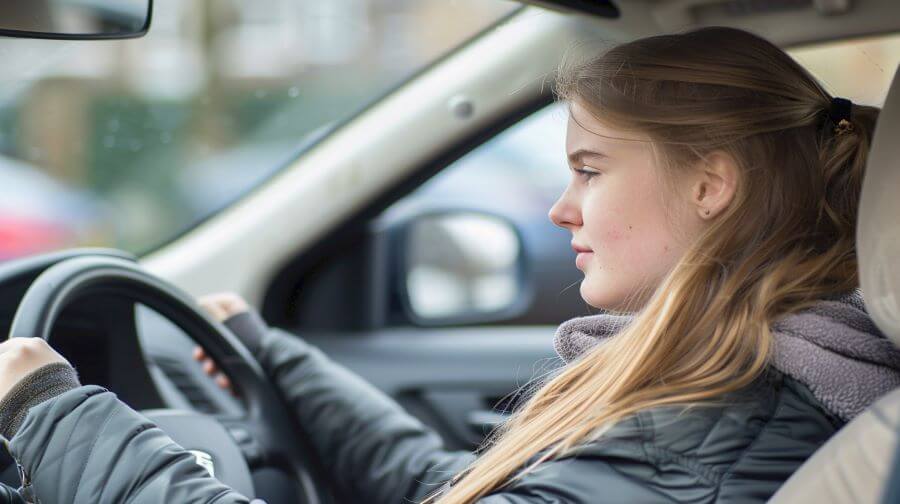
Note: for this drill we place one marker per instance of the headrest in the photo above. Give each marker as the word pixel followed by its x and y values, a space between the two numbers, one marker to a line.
pixel 878 229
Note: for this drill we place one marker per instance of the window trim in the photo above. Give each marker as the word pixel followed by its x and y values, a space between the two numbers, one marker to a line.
pixel 276 306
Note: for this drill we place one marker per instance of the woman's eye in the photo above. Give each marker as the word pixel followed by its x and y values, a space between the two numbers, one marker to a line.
pixel 586 173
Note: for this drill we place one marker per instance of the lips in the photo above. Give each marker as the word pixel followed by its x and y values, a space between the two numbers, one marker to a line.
pixel 583 255
pixel 579 248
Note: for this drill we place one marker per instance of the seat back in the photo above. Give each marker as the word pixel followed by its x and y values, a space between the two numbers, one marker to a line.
pixel 856 465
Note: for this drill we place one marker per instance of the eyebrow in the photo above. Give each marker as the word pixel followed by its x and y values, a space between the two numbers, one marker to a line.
pixel 580 153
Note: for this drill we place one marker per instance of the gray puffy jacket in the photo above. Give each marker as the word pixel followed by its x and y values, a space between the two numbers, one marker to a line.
pixel 85 446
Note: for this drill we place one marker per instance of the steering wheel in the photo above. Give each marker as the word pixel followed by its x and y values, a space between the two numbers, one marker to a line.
pixel 267 433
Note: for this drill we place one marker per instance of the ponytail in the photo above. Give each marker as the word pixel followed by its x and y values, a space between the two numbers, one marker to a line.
pixel 844 139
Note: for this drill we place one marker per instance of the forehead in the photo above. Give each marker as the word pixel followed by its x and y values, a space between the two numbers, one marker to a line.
pixel 586 131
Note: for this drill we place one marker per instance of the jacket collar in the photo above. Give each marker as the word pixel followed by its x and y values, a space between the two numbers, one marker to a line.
pixel 833 348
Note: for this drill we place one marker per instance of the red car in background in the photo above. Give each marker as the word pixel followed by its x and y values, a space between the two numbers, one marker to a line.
pixel 40 213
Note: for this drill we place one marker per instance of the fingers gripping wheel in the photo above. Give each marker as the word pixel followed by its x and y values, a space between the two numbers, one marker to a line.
pixel 268 421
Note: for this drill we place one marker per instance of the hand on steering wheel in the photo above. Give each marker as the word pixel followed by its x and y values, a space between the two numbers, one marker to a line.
pixel 19 357
pixel 221 306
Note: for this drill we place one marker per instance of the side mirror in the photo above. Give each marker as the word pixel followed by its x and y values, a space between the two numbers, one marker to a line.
pixel 462 267
pixel 75 19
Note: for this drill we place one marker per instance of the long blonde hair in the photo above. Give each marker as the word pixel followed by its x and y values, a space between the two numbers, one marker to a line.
pixel 787 239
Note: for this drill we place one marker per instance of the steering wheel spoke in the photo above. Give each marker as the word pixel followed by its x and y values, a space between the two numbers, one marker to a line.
pixel 246 440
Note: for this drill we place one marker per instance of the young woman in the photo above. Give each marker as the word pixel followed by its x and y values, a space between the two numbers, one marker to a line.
pixel 713 206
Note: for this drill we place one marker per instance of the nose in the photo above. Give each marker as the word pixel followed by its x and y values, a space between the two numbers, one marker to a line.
pixel 565 213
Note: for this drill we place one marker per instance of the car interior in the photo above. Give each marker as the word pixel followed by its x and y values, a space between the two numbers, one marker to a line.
pixel 327 247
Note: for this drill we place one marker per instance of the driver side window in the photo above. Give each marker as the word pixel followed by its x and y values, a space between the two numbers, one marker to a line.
pixel 481 248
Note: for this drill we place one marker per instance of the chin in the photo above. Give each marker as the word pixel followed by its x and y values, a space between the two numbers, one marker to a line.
pixel 605 298
pixel 597 297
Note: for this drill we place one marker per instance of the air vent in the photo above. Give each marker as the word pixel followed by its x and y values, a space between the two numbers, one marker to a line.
pixel 188 387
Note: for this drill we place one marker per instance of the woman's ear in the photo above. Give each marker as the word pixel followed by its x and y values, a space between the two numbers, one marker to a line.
pixel 715 185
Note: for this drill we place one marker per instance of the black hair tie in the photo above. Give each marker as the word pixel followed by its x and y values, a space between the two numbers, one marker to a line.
pixel 839 115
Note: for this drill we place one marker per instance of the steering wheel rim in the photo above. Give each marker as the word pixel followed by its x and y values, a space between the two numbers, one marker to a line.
pixel 268 418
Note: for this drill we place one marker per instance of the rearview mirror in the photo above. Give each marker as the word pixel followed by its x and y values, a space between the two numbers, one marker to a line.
pixel 75 19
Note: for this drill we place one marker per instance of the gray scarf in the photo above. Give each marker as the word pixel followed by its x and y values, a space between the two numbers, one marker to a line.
pixel 833 348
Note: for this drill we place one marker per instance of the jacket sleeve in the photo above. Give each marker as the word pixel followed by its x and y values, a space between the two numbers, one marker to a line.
pixel 393 458
pixel 86 446
pixel 374 450
pixel 9 495
pixel 581 480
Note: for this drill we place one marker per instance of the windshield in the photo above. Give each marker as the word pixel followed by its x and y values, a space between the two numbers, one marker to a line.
pixel 130 143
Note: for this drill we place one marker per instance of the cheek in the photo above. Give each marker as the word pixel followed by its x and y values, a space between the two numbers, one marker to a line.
pixel 628 221
pixel 633 243
pixel 636 241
